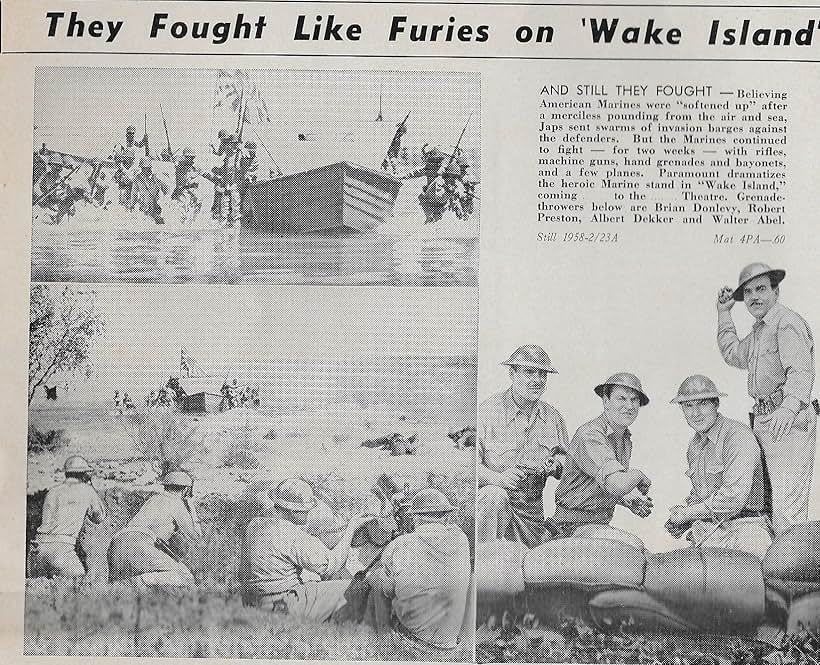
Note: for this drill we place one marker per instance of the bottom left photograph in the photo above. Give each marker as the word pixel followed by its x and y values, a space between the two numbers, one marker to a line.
pixel 227 472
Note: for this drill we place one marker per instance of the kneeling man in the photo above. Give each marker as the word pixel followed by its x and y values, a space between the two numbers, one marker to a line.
pixel 726 507
pixel 597 476
pixel 521 441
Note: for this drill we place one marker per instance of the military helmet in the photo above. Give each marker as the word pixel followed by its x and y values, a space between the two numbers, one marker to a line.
pixel 531 355
pixel 452 170
pixel 756 270
pixel 250 145
pixel 222 134
pixel 430 500
pixel 177 478
pixel 145 161
pixel 232 138
pixel 434 156
pixel 696 387
pixel 130 129
pixel 463 161
pixel 626 380
pixel 77 464
pixel 188 152
pixel 293 494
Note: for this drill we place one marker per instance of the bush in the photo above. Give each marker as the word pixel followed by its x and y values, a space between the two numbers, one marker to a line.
pixel 46 442
pixel 165 437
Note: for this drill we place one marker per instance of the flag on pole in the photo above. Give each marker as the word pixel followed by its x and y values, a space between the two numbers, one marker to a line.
pixel 229 87
pixel 188 367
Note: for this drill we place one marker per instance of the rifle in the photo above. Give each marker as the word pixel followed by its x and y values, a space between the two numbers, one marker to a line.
pixel 57 185
pixel 240 121
pixel 145 136
pixel 262 143
pixel 455 148
pixel 167 137
pixel 399 127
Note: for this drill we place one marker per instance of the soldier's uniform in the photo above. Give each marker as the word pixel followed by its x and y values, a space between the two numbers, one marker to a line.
pixel 425 575
pixel 141 549
pixel 455 189
pixel 65 509
pixel 285 569
pixel 727 479
pixel 508 438
pixel 186 182
pixel 248 174
pixel 433 197
pixel 230 211
pixel 469 182
pixel 594 453
pixel 146 190
pixel 124 177
pixel 55 192
pixel 219 189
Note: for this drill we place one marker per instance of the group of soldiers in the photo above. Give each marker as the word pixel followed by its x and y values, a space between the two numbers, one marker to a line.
pixel 448 187
pixel 136 185
pixel 749 482
pixel 235 396
pixel 417 585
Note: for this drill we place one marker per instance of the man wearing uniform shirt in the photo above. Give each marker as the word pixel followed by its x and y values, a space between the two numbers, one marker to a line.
pixel 521 441
pixel 142 548
pixel 146 191
pixel 424 580
pixel 726 507
pixel 277 552
pixel 597 477
pixel 65 510
pixel 779 356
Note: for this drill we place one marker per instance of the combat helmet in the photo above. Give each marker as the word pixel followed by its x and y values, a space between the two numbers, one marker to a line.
pixel 531 355
pixel 294 494
pixel 222 134
pixel 452 170
pixel 188 152
pixel 434 156
pixel 130 129
pixel 625 380
pixel 757 270
pixel 696 387
pixel 77 464
pixel 430 500
pixel 177 479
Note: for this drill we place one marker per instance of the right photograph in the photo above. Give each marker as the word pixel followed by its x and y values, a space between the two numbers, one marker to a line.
pixel 645 480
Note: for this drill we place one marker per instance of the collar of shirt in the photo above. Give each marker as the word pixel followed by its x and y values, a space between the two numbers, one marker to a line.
pixel 511 409
pixel 772 316
pixel 699 442
pixel 431 526
pixel 608 430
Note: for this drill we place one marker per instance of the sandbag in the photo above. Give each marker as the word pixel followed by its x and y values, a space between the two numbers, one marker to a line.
pixel 792 564
pixel 610 533
pixel 804 614
pixel 609 608
pixel 714 589
pixel 499 569
pixel 584 563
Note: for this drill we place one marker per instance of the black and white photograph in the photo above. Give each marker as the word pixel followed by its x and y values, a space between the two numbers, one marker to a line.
pixel 267 176
pixel 647 477
pixel 251 472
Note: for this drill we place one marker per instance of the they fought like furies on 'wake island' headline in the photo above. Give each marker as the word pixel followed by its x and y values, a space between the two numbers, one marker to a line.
pixel 750 567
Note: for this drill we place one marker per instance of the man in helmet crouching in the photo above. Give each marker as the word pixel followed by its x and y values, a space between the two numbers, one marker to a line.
pixel 424 580
pixel 277 550
pixel 57 550
pixel 141 549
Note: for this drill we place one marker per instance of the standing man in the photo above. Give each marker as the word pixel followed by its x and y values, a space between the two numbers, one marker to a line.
pixel 58 548
pixel 597 476
pixel 779 356
pixel 433 197
pixel 726 507
pixel 124 176
pixel 186 184
pixel 248 174
pixel 276 551
pixel 521 442
pixel 146 190
pixel 230 213
pixel 424 580
pixel 142 549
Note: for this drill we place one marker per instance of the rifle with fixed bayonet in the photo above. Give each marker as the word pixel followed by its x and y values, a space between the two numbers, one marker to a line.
pixel 262 143
pixel 145 135
pixel 167 136
pixel 57 185
pixel 454 154
pixel 396 135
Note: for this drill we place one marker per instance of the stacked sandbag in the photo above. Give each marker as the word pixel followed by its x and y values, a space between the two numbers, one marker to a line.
pixel 499 570
pixel 587 564
pixel 609 533
pixel 792 570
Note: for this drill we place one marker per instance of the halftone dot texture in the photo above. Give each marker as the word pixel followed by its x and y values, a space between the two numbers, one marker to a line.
pixel 300 121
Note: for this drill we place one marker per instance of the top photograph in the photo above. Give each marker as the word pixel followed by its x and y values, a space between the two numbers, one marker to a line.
pixel 332 178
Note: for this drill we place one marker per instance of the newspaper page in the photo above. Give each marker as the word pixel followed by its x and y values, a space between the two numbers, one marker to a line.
pixel 473 332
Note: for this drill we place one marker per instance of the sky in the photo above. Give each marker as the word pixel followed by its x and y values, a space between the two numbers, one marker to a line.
pixel 86 110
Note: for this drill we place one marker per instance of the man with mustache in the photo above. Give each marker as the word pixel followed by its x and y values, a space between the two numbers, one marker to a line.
pixel 726 505
pixel 779 355
pixel 597 476
pixel 521 441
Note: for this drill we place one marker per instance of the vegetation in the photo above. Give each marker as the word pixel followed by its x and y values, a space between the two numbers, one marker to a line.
pixel 46 442
pixel 61 331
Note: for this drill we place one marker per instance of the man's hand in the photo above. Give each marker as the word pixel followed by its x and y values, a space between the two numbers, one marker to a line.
pixel 644 485
pixel 780 422
pixel 678 522
pixel 639 504
pixel 725 301
pixel 510 479
pixel 554 468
